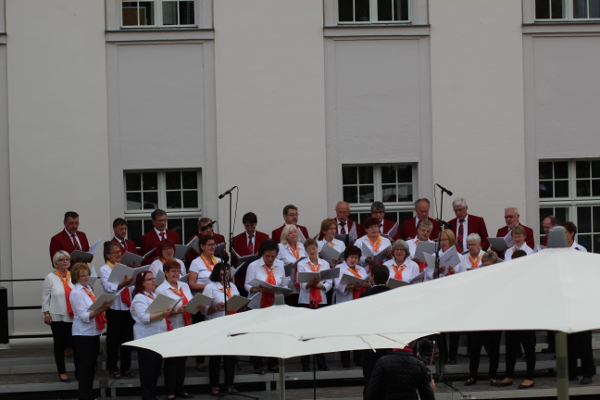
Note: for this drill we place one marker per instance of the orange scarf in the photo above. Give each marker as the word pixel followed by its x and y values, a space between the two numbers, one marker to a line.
pixel 100 319
pixel 67 289
pixel 376 244
pixel 315 294
pixel 399 271
pixel 187 317
pixel 267 299
pixel 475 263
pixel 296 254
pixel 125 295
pixel 211 264
pixel 356 292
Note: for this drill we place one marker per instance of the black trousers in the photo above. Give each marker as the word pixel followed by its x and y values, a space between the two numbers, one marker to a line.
pixel 527 339
pixel 61 333
pixel 369 358
pixel 579 345
pixel 491 339
pixel 214 368
pixel 119 330
pixel 174 370
pixel 150 363
pixel 356 356
pixel 291 300
pixel 445 351
pixel 198 317
pixel 305 360
pixel 87 348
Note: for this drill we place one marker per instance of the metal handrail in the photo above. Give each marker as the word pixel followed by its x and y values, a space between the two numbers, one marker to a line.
pixel 4 309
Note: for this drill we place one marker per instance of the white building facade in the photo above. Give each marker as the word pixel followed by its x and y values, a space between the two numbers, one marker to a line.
pixel 112 108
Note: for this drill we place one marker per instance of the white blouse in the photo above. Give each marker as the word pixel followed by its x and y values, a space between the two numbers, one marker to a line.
pixel 304 296
pixel 143 327
pixel 198 266
pixel 285 254
pixel 508 253
pixel 466 262
pixel 385 243
pixel 110 287
pixel 80 302
pixel 256 270
pixel 340 294
pixel 338 245
pixel 157 265
pixel 411 270
pixel 177 320
pixel 214 290
pixel 53 298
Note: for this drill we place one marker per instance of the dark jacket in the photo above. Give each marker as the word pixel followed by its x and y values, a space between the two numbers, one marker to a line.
pixel 398 376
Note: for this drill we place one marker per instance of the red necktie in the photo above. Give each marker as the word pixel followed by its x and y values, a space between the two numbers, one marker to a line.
pixel 162 236
pixel 343 230
pixel 250 246
pixel 75 242
pixel 124 245
pixel 459 240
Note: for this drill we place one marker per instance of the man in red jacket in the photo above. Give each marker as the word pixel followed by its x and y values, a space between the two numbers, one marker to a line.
pixel 70 238
pixel 120 231
pixel 152 239
pixel 390 228
pixel 205 227
pixel 245 244
pixel 345 226
pixel 465 224
pixel 290 217
pixel 409 227
pixel 511 217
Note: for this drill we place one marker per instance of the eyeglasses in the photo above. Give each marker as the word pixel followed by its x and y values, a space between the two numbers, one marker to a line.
pixel 116 252
pixel 210 244
pixel 64 259
pixel 342 212
pixel 509 216
pixel 149 279
pixel 175 271
pixel 293 215
pixel 377 212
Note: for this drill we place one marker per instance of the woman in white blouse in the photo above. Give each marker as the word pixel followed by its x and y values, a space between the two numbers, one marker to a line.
pixel 373 241
pixel 220 286
pixel 166 249
pixel 200 270
pixel 401 266
pixel 329 229
pixel 290 251
pixel 147 324
pixel 57 310
pixel 174 367
pixel 87 328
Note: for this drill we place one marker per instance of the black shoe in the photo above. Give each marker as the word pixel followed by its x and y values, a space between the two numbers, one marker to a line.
pixel 322 367
pixel 585 381
pixel 305 368
pixel 503 384
pixel 521 386
pixel 493 382
pixel 470 382
pixel 68 380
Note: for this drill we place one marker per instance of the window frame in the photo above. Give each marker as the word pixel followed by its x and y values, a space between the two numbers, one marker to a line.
pixel 418 14
pixel 203 15
pixel 373 15
pixel 158 15
pixel 567 13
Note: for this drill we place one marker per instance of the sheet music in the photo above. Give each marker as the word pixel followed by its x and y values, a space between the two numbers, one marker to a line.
pixel 424 247
pixel 130 259
pixel 450 257
pixel 236 303
pixel 119 271
pixel 327 253
pixel 93 276
pixel 95 246
pixel 198 300
pixel 103 298
pixel 277 289
pixel 351 279
pixel 161 303
pixel 498 243
pixel 219 250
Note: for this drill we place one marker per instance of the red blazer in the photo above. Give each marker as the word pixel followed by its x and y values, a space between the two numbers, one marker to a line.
pixel 410 232
pixel 476 225
pixel 130 246
pixel 276 234
pixel 62 241
pixel 529 240
pixel 150 241
pixel 360 232
pixel 240 245
pixel 388 226
pixel 192 255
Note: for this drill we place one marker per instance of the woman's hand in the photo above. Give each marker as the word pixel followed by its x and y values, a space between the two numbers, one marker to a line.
pixel 167 312
pixel 106 305
pixel 220 306
pixel 201 307
pixel 47 319
pixel 336 261
pixel 388 254
pixel 451 270
pixel 314 283
pixel 370 261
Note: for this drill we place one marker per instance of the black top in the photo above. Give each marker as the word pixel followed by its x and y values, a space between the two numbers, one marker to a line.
pixel 374 290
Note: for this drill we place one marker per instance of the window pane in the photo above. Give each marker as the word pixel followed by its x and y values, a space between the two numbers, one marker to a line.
pixel 405 193
pixel 583 188
pixel 349 175
pixel 366 194
pixel 133 181
pixel 384 10
pixel 187 15
pixel 150 200
pixel 388 174
pixel 351 194
pixel 146 13
pixel 365 174
pixel 190 199
pixel 561 189
pixel 190 179
pixel 557 9
pixel 542 9
pixel 134 201
pixel 546 189
pixel 175 224
pixel 362 13
pixel 150 181
pixel 134 231
pixel 173 180
pixel 190 228
pixel 130 13
pixel 148 225
pixel 585 241
pixel 596 187
pixel 345 10
pixel 391 216
pixel 583 169
pixel 596 224
pixel 389 194
pixel 596 246
pixel 561 170
pixel 594 9
pixel 404 215
pixel 401 11
pixel 561 214
pixel 545 170
pixel 580 9
pixel 584 219
pixel 169 9
pixel 173 200
pixel 404 173
pixel 596 169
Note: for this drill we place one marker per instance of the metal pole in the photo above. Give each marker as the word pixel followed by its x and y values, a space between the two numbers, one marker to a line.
pixel 281 379
pixel 4 315
pixel 562 366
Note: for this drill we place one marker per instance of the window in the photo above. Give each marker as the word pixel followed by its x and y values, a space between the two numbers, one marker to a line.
pixel 176 192
pixel 394 185
pixel 570 190
pixel 373 11
pixel 567 9
pixel 157 13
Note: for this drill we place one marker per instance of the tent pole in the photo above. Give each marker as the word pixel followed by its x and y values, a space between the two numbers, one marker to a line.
pixel 281 379
pixel 562 368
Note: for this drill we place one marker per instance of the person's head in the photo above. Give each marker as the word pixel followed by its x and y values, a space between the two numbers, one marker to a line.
pixel 71 222
pixel 548 223
pixel 371 225
pixel 378 210
pixel 400 250
pixel 329 228
pixel 290 214
pixel 250 220
pixel 447 239
pixel 519 234
pixel 422 208
pixel 352 255
pixel 159 219
pixel 489 258
pixel 571 231
pixel 474 244
pixel 205 226
pixel 311 247
pixel 61 260
pixel 460 208
pixel 80 273
pixel 380 274
pixel 289 234
pixel 268 250
pixel 120 228
pixel 144 282
pixel 424 230
pixel 219 271
pixel 342 210
pixel 518 254
pixel 172 271
pixel 112 252
pixel 166 249
pixel 207 245
pixel 511 216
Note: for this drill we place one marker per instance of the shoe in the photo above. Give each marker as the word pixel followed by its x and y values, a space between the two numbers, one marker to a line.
pixel 521 386
pixel 171 397
pixel 115 375
pixel 585 381
pixel 451 361
pixel 493 382
pixel 322 367
pixel 305 368
pixel 232 390
pixel 549 350
pixel 67 380
pixel 503 384
pixel 470 382
pixel 215 392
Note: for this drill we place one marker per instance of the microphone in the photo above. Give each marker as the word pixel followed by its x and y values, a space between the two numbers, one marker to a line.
pixel 230 190
pixel 441 187
pixel 205 227
pixel 442 222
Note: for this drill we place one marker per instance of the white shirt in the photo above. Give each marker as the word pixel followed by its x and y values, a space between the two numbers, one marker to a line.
pixel 177 320
pixel 465 264
pixel 285 254
pixel 80 302
pixel 143 327
pixel 412 247
pixel 157 265
pixel 304 296
pixel 341 295
pixel 256 271
pixel 111 288
pixel 199 266
pixel 214 290
pixel 579 247
pixel 53 298
pixel 385 243
pixel 338 245
pixel 508 253
pixel 411 270
pixel 158 234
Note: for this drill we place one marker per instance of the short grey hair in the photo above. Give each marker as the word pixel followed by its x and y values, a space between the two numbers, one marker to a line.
pixel 286 232
pixel 459 201
pixel 490 256
pixel 426 200
pixel 57 256
pixel 401 243
pixel 425 222
pixel 377 205
pixel 474 236
pixel 512 208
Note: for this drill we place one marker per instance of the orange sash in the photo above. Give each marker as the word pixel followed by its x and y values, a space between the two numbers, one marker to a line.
pixel 475 262
pixel 356 292
pixel 267 299
pixel 211 264
pixel 376 244
pixel 187 317
pixel 100 319
pixel 67 289
pixel 125 295
pixel 399 271
pixel 315 294
pixel 296 254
